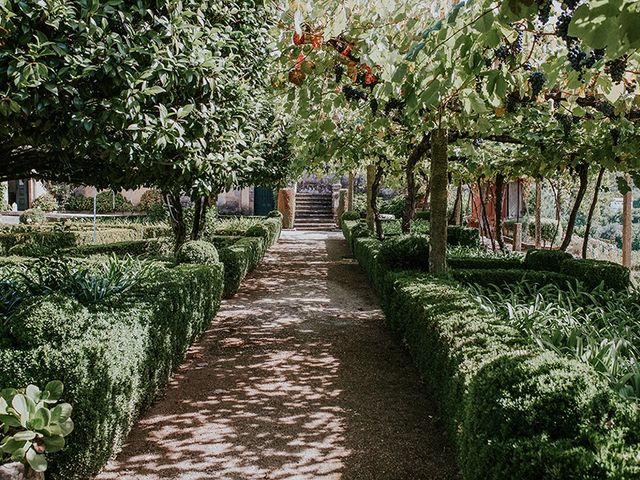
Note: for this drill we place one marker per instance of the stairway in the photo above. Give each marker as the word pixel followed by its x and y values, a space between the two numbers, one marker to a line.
pixel 314 211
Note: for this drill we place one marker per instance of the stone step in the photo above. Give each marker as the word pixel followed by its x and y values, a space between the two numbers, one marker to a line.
pixel 315 204
pixel 319 227
pixel 314 213
pixel 311 221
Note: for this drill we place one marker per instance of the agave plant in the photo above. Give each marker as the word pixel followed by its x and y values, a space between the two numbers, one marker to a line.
pixel 33 424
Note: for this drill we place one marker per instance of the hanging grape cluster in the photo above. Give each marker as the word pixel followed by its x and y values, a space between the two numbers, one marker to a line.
pixel 353 94
pixel 537 81
pixel 616 68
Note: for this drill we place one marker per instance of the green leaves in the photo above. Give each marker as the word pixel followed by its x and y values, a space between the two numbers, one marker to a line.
pixel 614 24
pixel 30 428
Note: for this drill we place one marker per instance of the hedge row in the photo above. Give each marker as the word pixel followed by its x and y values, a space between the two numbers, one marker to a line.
pixel 512 410
pixel 559 267
pixel 240 255
pixel 36 241
pixel 132 247
pixel 112 361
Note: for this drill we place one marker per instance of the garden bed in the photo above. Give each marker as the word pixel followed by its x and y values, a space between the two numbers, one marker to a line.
pixel 514 408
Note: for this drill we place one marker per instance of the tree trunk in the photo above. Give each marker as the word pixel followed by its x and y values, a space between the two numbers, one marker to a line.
pixel 176 215
pixel 439 184
pixel 375 189
pixel 485 218
pixel 538 215
pixel 371 174
pixel 352 181
pixel 592 209
pixel 583 175
pixel 416 155
pixel 627 207
pixel 199 217
pixel 499 197
pixel 456 215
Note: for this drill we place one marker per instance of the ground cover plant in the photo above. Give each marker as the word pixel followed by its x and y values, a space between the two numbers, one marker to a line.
pixel 598 327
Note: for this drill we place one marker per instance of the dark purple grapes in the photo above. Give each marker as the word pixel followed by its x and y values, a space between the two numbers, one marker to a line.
pixel 615 136
pixel 544 10
pixel 512 101
pixel 566 122
pixel 516 46
pixel 562 26
pixel 502 52
pixel 577 57
pixel 537 81
pixel 616 68
pixel 571 4
pixel 339 71
pixel 527 66
pixel 353 94
pixel 374 105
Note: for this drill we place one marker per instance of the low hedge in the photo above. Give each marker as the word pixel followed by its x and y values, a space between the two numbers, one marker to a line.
pixel 513 410
pixel 240 255
pixel 463 236
pixel 596 272
pixel 114 364
pixel 590 272
pixel 485 263
pixel 132 247
pixel 549 260
pixel 405 252
pixel 506 277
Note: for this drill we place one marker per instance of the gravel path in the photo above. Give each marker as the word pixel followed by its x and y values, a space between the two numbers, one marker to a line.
pixel 297 378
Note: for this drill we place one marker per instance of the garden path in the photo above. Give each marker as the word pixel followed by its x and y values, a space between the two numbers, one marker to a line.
pixel 297 378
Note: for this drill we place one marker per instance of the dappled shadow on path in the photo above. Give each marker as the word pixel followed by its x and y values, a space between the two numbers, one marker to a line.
pixel 297 378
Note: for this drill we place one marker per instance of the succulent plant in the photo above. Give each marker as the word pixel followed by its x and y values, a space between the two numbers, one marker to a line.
pixel 33 424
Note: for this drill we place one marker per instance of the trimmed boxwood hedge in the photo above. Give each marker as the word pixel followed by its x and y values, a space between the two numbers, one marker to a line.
pixel 405 252
pixel 240 255
pixel 114 364
pixel 513 410
pixel 506 277
pixel 132 247
pixel 595 272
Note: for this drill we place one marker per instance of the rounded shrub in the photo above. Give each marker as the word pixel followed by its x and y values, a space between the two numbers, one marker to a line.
pixel 549 260
pixel 197 251
pixel 350 216
pixel 49 320
pixel 549 230
pixel 275 214
pixel 405 252
pixel 360 230
pixel 32 216
pixel 258 231
pixel 46 203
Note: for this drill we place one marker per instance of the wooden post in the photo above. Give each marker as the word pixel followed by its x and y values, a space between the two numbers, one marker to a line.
pixel 627 207
pixel 538 230
pixel 371 176
pixel 517 237
pixel 351 187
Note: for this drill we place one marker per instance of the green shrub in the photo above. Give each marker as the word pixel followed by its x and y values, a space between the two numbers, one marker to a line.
pixel 106 202
pixel 275 214
pixel 485 263
pixel 240 255
pixel 116 367
pixel 46 202
pixel 349 216
pixel 152 204
pixel 463 236
pixel 35 243
pixel 405 252
pixel 359 230
pixel 595 272
pixel 131 247
pixel 513 411
pixel 197 251
pixel 394 206
pixel 549 230
pixel 423 215
pixel 511 276
pixel 259 231
pixel 33 216
pixel 49 320
pixel 548 260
